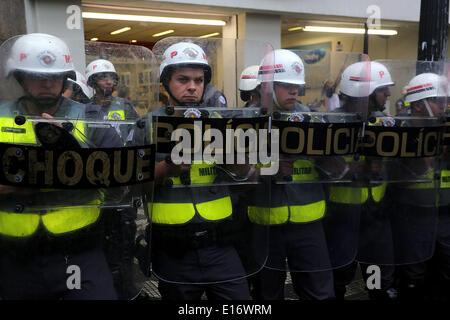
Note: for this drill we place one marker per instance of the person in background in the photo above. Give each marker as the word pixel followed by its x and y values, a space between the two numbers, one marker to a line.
pixel 247 85
pixel 78 89
pixel 120 223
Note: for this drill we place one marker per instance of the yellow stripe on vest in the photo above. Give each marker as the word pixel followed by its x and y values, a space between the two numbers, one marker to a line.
pixel 280 215
pixel 356 195
pixel 18 224
pixel 216 209
pixel 56 221
pixel 171 213
pixel 179 213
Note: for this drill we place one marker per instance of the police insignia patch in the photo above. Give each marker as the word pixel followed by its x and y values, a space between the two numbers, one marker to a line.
pixel 46 58
pixel 192 113
pixel 296 67
pixel 190 52
pixel 296 117
pixel 116 116
pixel 388 122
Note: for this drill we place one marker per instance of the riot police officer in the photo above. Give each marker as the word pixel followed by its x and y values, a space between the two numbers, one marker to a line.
pixel 247 85
pixel 38 245
pixel 120 224
pixel 427 95
pixel 351 198
pixel 192 251
pixel 102 77
pixel 296 236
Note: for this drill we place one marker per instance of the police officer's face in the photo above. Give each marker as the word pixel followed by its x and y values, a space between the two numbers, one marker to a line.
pixel 187 84
pixel 382 94
pixel 437 106
pixel 42 88
pixel 287 94
pixel 105 82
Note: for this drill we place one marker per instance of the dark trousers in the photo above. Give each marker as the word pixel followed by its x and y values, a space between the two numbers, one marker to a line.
pixel 214 270
pixel 24 275
pixel 437 279
pixel 269 284
pixel 119 243
pixel 302 250
pixel 343 276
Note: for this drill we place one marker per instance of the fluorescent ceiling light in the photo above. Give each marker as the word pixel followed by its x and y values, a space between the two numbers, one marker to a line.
pixel 163 33
pixel 94 39
pixel 133 41
pixel 383 32
pixel 121 30
pixel 129 17
pixel 295 28
pixel 350 30
pixel 210 35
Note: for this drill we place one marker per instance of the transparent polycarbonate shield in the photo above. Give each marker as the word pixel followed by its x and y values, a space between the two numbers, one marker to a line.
pixel 134 95
pixel 136 69
pixel 315 199
pixel 208 163
pixel 402 148
pixel 443 236
pixel 66 169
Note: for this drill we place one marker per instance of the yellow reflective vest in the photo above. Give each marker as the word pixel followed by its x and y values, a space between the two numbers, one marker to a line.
pixel 192 204
pixel 291 202
pixel 57 220
pixel 117 111
pixel 444 189
pixel 356 195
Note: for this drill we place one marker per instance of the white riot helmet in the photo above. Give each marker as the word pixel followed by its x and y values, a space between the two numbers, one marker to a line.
pixel 287 67
pixel 249 78
pixel 39 54
pixel 97 67
pixel 426 85
pixel 357 82
pixel 379 76
pixel 180 55
pixel 81 82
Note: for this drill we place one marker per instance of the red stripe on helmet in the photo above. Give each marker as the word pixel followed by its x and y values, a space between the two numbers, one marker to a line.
pixel 419 87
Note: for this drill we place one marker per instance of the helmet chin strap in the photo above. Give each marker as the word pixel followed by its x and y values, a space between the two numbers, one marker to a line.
pixel 104 92
pixel 427 106
pixel 377 106
pixel 277 104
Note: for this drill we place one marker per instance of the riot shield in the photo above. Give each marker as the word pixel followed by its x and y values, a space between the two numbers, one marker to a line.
pixel 64 169
pixel 206 165
pixel 443 236
pixel 127 230
pixel 315 195
pixel 402 149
